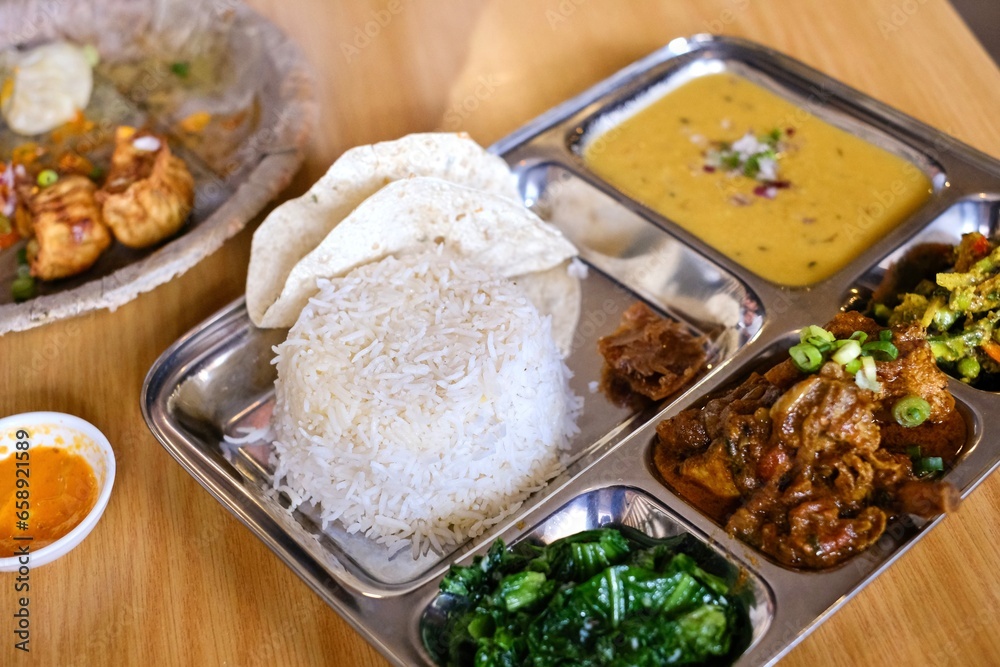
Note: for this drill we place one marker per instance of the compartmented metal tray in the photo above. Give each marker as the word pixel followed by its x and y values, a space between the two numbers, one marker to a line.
pixel 217 380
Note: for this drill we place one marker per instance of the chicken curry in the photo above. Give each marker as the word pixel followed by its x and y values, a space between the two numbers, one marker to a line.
pixel 810 468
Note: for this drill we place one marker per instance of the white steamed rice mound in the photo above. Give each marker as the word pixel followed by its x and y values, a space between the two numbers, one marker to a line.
pixel 419 401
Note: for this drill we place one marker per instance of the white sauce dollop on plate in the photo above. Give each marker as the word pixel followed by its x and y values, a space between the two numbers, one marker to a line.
pixel 49 84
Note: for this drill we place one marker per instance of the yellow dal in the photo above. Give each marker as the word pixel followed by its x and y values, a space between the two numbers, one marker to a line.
pixel 844 193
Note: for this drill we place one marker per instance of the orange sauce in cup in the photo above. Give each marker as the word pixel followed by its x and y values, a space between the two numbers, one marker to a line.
pixel 62 489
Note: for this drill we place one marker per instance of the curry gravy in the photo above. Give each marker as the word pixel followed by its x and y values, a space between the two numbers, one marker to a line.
pixel 62 491
pixel 838 194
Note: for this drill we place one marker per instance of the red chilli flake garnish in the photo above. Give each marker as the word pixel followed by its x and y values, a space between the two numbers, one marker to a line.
pixel 790 131
pixel 708 169
pixel 770 189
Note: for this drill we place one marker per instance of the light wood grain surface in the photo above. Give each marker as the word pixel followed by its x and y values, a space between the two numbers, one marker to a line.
pixel 169 577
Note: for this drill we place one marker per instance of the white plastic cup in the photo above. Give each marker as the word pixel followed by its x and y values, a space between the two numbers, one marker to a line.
pixel 56 429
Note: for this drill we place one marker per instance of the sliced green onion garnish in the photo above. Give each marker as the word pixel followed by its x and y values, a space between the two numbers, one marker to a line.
pixel 924 465
pixel 23 271
pixel 853 353
pixel 932 463
pixel 813 334
pixel 22 256
pixel 928 465
pixel 911 411
pixel 882 348
pixel 867 377
pixel 806 357
pixel 47 177
pixel 181 69
pixel 849 350
pixel 22 288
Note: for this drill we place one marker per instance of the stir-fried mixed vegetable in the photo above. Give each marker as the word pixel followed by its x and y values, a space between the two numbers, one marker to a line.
pixel 960 309
pixel 593 598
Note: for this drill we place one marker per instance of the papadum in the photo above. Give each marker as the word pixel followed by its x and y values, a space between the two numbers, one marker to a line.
pixel 414 215
pixel 296 227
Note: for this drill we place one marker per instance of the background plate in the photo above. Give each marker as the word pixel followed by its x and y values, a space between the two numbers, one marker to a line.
pixel 235 179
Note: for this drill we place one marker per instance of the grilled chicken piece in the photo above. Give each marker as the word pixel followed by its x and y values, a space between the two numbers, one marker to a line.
pixel 69 234
pixel 149 191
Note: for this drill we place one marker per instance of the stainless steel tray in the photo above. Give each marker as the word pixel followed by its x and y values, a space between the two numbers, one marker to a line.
pixel 218 378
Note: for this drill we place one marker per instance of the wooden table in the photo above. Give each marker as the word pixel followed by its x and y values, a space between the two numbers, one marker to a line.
pixel 169 577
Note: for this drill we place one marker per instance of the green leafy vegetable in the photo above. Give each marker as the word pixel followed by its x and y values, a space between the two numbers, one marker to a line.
pixel 523 589
pixel 593 598
pixel 483 575
pixel 581 556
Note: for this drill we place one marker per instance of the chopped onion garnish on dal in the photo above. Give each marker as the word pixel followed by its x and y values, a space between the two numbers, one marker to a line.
pixel 752 156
